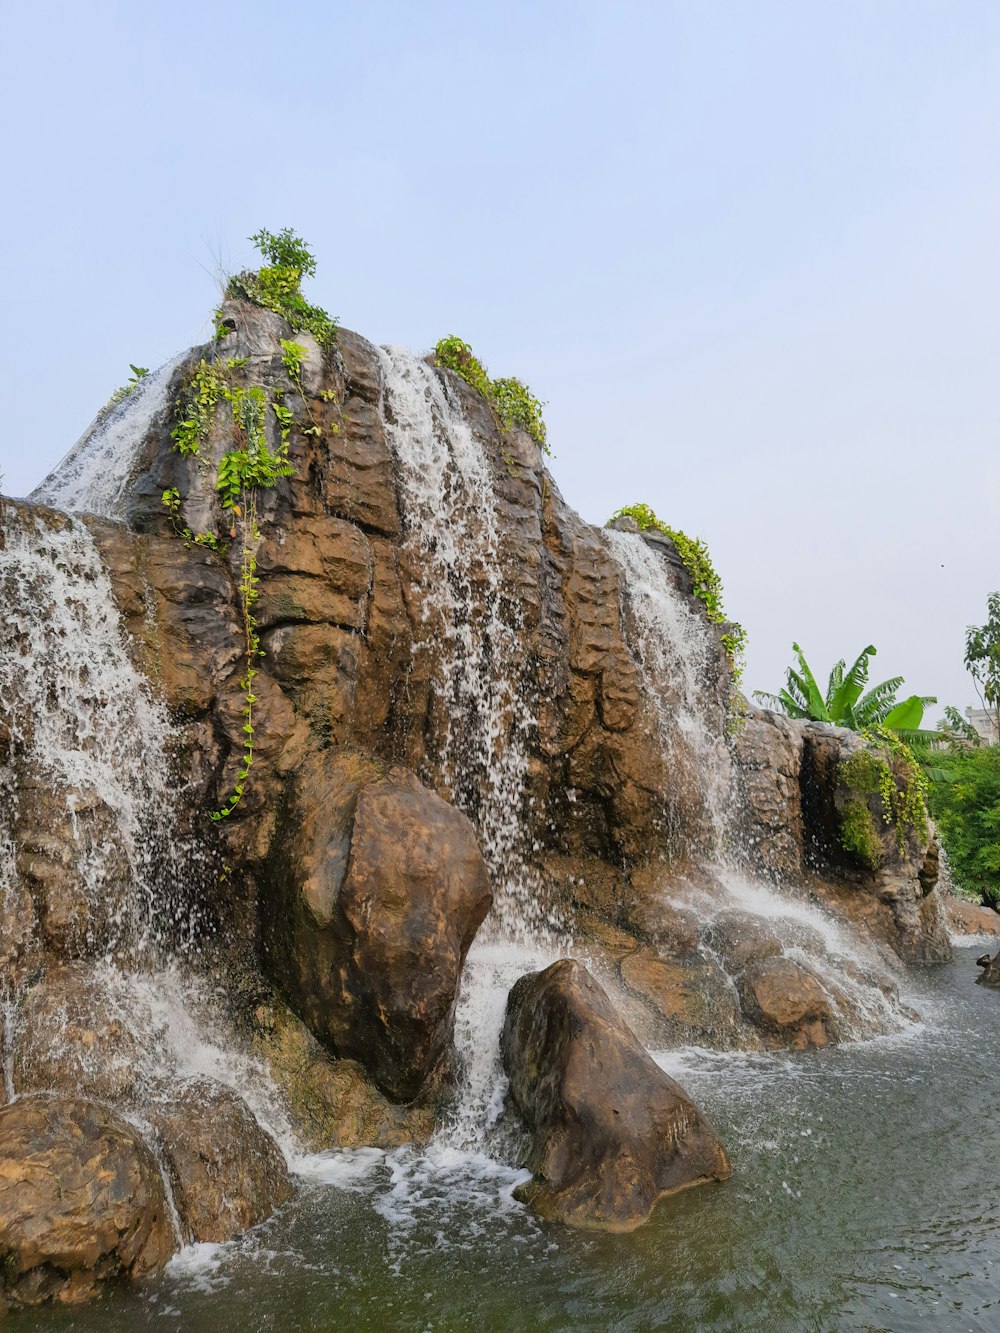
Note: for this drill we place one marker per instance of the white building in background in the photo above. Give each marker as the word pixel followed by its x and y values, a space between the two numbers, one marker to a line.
pixel 985 723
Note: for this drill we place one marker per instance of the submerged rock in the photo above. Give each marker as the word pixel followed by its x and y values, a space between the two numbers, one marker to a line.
pixel 81 1200
pixel 377 888
pixel 227 1172
pixel 612 1133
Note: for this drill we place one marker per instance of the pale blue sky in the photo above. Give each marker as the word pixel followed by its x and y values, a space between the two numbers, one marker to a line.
pixel 747 251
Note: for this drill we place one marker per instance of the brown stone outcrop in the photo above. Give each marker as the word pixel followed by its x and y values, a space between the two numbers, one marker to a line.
pixel 376 888
pixel 611 1133
pixel 81 1201
pixel 227 1173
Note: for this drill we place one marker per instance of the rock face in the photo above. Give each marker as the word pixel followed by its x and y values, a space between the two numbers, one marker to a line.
pixel 377 888
pixel 227 1173
pixel 611 1132
pixel 800 792
pixel 967 918
pixel 81 1201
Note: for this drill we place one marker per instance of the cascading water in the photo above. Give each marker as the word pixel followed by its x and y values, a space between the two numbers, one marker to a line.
pixel 96 475
pixel 672 646
pixel 473 637
pixel 85 731
pixel 82 717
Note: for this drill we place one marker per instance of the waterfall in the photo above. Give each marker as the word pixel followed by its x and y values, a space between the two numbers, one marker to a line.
pixel 86 732
pixel 82 718
pixel 474 642
pixel 95 477
pixel 673 646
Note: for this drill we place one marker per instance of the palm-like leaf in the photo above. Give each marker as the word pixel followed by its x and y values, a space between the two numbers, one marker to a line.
pixel 908 715
pixel 880 699
pixel 806 682
pixel 835 681
pixel 841 705
pixel 781 703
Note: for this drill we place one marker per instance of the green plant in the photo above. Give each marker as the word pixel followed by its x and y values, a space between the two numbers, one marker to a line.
pixel 511 401
pixel 982 657
pixel 120 394
pixel 695 558
pixel 516 405
pixel 888 768
pixel 964 800
pixel 171 501
pixel 845 703
pixel 278 285
pixel 243 472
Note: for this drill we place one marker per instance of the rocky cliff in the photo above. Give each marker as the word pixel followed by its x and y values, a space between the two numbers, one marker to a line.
pixel 467 700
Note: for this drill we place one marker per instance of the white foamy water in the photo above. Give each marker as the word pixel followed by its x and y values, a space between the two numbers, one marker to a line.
pixel 674 647
pixel 474 640
pixel 83 718
pixel 96 475
pixel 85 725
pixel 473 628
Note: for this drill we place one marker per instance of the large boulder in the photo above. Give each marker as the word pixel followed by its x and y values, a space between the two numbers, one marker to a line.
pixel 81 1200
pixel 376 890
pixel 227 1173
pixel 611 1133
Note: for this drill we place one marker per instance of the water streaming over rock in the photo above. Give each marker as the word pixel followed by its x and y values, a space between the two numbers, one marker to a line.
pixel 88 750
pixel 473 636
pixel 673 646
pixel 95 476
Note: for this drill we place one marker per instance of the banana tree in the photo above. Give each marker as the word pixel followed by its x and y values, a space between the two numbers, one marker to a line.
pixel 847 702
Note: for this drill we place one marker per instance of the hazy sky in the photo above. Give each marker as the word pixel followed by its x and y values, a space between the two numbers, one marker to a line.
pixel 747 252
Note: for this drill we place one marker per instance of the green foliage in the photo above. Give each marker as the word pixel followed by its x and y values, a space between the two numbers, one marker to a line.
pixel 195 409
pixel 697 561
pixel 248 468
pixel 886 768
pixel 859 835
pixel 516 405
pixel 982 656
pixel 456 355
pixel 171 500
pixel 285 250
pixel 278 285
pixel 292 355
pixel 964 800
pixel 511 401
pixel 120 394
pixel 845 704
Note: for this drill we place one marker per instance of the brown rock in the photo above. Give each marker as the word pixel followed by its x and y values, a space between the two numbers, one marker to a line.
pixel 81 1201
pixel 227 1173
pixel 612 1133
pixel 378 888
pixel 689 1002
pixel 967 918
pixel 786 1001
pixel 332 1103
pixel 72 1039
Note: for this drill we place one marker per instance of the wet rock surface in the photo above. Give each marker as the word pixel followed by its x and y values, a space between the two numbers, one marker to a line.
pixel 81 1201
pixel 377 890
pixel 227 1173
pixel 611 1133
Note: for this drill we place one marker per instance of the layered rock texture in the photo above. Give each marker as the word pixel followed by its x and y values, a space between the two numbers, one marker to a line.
pixel 612 1133
pixel 466 695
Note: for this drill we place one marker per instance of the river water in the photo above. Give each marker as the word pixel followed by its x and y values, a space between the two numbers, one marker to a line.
pixel 863 1197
